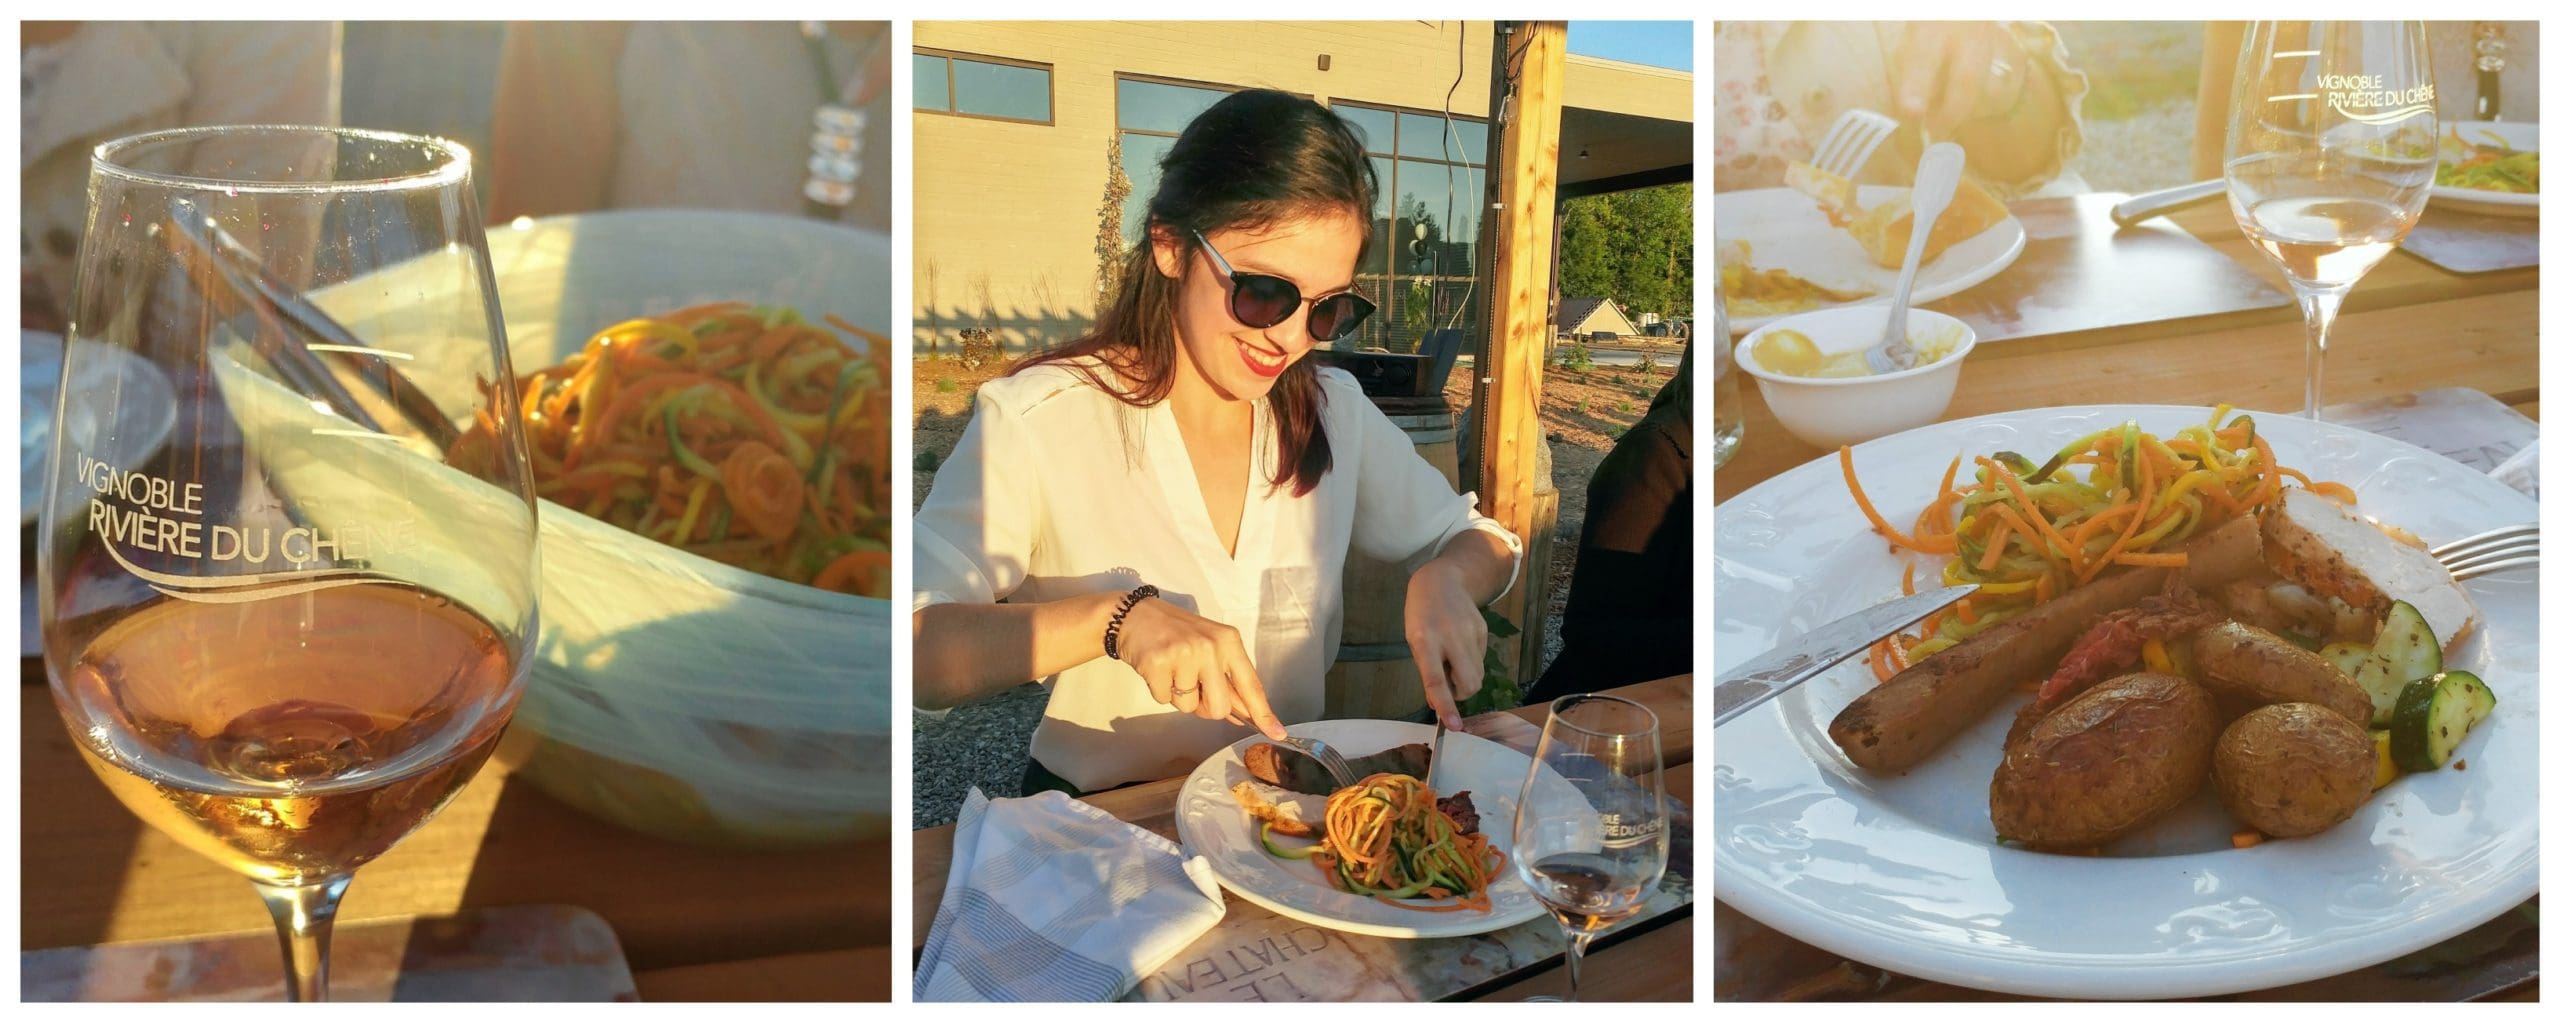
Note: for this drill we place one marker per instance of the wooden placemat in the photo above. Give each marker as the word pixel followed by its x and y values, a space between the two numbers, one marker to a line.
pixel 504 954
pixel 2080 272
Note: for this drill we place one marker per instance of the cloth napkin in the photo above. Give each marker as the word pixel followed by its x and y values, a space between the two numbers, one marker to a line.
pixel 1051 900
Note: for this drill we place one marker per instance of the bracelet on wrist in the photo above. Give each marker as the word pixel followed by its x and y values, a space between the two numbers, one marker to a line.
pixel 1111 633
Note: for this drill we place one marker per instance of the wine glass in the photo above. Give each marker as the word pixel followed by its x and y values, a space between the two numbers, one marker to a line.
pixel 1592 835
pixel 2331 150
pixel 289 634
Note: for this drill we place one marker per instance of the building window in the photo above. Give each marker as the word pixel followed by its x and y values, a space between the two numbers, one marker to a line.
pixel 1421 266
pixel 977 86
pixel 1152 113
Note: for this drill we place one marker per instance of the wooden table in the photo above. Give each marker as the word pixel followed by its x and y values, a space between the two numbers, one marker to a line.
pixel 694 924
pixel 1650 964
pixel 2407 327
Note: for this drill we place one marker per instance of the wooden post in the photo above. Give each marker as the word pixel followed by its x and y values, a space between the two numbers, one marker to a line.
pixel 1529 94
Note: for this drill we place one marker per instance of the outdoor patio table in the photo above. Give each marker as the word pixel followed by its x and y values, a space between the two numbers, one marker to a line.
pixel 2408 327
pixel 694 923
pixel 1647 960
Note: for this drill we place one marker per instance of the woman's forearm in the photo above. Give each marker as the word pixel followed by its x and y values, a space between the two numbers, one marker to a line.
pixel 1481 562
pixel 966 652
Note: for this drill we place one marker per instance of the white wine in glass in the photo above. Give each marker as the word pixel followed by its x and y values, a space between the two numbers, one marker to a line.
pixel 291 632
pixel 1593 834
pixel 2330 153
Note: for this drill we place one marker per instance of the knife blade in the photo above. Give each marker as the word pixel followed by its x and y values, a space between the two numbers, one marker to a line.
pixel 1431 775
pixel 1781 669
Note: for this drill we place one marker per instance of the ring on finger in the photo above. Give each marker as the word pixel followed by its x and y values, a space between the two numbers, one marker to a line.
pixel 1180 692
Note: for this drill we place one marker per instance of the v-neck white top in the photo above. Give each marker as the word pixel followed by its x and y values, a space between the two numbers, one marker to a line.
pixel 1058 489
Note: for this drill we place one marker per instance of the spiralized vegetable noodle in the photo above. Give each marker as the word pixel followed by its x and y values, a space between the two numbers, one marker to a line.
pixel 2026 533
pixel 2497 168
pixel 1387 838
pixel 739 433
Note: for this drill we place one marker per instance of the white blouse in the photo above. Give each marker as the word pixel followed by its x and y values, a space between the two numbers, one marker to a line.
pixel 1058 489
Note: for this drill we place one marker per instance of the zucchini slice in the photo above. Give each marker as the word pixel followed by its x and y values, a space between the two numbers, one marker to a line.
pixel 2349 657
pixel 2404 651
pixel 2433 717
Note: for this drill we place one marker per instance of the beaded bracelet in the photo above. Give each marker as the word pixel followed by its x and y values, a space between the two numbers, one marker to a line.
pixel 1111 634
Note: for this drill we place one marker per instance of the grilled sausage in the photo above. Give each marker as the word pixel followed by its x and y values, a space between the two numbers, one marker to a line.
pixel 1899 723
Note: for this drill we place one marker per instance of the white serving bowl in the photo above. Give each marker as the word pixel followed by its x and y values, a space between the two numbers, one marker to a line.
pixel 1828 413
pixel 670 693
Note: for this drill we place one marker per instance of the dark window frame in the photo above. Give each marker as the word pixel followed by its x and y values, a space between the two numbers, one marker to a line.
pixel 1390 284
pixel 951 83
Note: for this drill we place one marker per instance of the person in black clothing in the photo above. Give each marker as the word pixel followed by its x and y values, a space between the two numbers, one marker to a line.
pixel 1627 618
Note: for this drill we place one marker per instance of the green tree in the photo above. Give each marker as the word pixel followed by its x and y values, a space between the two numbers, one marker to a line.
pixel 1638 247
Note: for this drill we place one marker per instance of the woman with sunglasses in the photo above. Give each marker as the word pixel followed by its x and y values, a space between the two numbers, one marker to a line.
pixel 1163 506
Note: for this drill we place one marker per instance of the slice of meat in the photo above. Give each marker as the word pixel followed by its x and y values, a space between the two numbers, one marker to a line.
pixel 1289 813
pixel 1274 764
pixel 1461 809
pixel 2316 543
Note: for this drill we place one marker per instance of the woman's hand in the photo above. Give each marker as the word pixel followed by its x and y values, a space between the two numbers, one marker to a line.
pixel 1447 635
pixel 1195 665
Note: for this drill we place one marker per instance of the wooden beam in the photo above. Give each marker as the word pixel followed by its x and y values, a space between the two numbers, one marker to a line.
pixel 1529 95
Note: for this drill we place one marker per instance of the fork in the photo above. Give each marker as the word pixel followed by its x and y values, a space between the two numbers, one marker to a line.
pixel 2498 549
pixel 1853 138
pixel 1326 756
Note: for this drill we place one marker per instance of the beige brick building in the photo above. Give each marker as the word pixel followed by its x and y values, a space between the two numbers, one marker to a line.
pixel 1015 124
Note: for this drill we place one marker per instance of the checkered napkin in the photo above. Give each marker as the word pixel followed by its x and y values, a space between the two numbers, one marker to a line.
pixel 1051 900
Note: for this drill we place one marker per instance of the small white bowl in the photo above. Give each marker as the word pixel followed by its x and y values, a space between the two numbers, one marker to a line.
pixel 1828 413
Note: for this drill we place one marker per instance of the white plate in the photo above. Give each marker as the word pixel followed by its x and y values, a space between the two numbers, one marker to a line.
pixel 2519 135
pixel 125 386
pixel 1903 872
pixel 1787 231
pixel 1211 825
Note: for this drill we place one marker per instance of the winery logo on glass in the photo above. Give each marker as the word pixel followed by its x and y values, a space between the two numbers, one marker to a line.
pixel 136 511
pixel 1617 832
pixel 2368 99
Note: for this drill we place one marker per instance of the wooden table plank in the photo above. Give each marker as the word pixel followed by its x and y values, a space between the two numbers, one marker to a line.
pixel 846 975
pixel 2482 342
pixel 1640 969
pixel 90 872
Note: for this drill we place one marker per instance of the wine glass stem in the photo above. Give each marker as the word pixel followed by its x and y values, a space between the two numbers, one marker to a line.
pixel 1573 965
pixel 2319 311
pixel 304 914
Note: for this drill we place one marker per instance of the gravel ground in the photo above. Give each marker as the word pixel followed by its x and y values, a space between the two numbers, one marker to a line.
pixel 986 744
pixel 2142 152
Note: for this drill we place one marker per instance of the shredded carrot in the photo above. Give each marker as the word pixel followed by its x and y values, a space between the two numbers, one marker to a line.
pixel 2172 559
pixel 1849 471
pixel 1998 542
pixel 2246 839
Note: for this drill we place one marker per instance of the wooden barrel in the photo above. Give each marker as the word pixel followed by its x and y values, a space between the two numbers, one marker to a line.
pixel 1373 674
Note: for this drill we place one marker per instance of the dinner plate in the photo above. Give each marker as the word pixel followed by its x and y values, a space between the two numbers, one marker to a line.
pixel 1903 872
pixel 2518 135
pixel 1788 231
pixel 1210 824
pixel 126 387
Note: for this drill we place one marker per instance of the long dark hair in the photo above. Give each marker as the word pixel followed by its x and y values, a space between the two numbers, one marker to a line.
pixel 1254 158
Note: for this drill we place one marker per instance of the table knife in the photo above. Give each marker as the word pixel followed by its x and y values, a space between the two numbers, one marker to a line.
pixel 2151 204
pixel 1811 654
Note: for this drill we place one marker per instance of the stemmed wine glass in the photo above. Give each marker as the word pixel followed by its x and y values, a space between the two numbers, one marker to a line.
pixel 1593 834
pixel 2330 153
pixel 291 634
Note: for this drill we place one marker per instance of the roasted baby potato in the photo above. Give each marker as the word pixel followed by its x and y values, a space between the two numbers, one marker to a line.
pixel 2110 760
pixel 2293 769
pixel 2252 667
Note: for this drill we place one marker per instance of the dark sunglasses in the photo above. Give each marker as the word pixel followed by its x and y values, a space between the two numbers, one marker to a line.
pixel 1262 300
